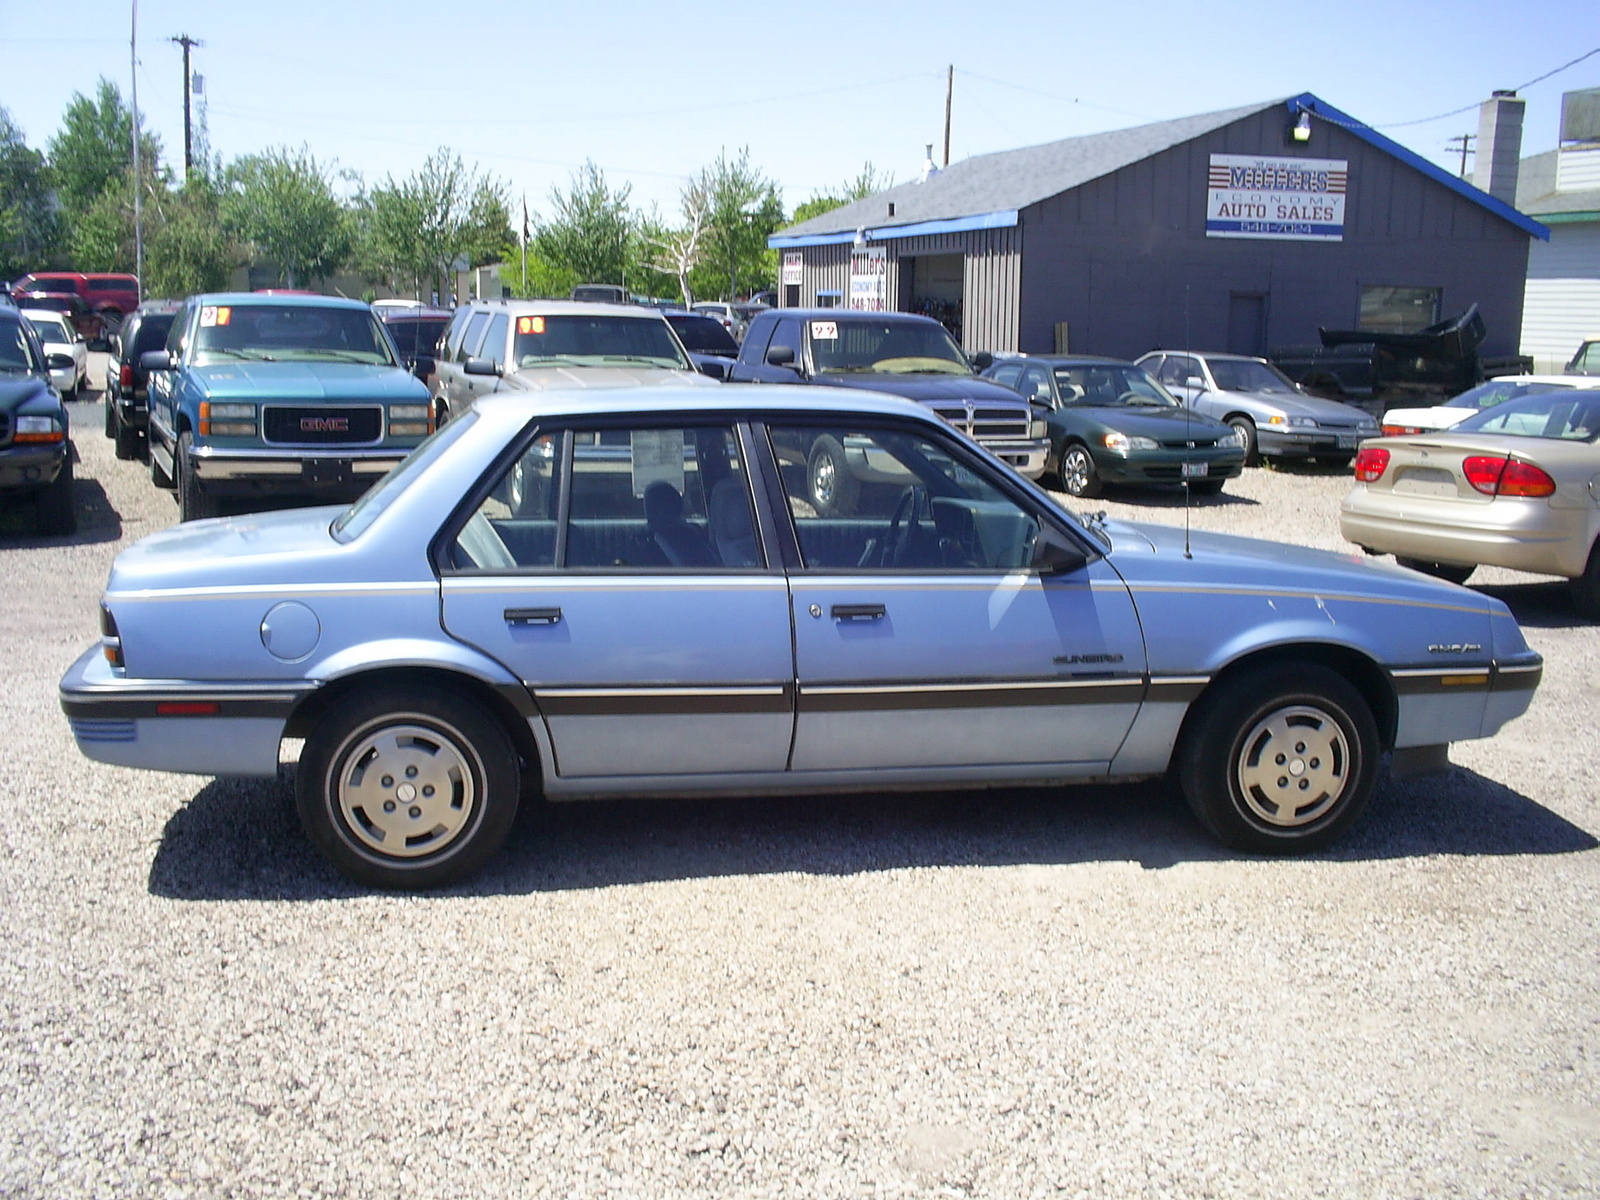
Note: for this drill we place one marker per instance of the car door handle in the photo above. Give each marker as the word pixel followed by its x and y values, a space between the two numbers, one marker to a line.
pixel 532 616
pixel 857 612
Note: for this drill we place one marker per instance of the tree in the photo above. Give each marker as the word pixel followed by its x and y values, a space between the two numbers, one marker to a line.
pixel 415 230
pixel 590 231
pixel 187 249
pixel 868 183
pixel 679 252
pixel 95 147
pixel 282 203
pixel 745 208
pixel 29 226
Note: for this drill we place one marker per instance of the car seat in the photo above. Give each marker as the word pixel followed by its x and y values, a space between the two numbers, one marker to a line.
pixel 731 530
pixel 684 544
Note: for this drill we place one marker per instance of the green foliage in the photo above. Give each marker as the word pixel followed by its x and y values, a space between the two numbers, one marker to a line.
pixel 744 208
pixel 411 232
pixel 101 234
pixel 545 279
pixel 868 183
pixel 186 248
pixel 591 231
pixel 282 203
pixel 29 228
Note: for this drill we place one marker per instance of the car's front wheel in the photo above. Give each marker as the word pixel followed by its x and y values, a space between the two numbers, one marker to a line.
pixel 1246 428
pixel 57 511
pixel 1586 587
pixel 1078 474
pixel 408 787
pixel 1280 758
pixel 833 488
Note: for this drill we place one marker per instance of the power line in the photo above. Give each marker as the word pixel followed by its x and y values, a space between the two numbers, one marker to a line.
pixel 1456 112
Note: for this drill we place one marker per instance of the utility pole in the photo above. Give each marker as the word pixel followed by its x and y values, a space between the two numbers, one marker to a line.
pixel 1466 140
pixel 187 42
pixel 949 89
pixel 138 189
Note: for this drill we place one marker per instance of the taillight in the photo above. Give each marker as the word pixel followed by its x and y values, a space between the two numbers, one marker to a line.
pixel 1400 430
pixel 125 376
pixel 1371 463
pixel 1507 477
pixel 110 640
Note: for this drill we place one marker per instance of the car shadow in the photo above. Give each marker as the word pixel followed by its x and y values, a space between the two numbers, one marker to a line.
pixel 98 520
pixel 1544 605
pixel 1165 496
pixel 241 840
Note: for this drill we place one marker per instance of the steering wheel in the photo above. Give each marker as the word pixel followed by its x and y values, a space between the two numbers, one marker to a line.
pixel 898 535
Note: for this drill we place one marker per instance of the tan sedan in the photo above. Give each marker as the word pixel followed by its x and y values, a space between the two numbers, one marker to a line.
pixel 1514 486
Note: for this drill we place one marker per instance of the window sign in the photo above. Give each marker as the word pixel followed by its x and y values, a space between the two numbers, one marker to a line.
pixel 793 263
pixel 657 455
pixel 869 272
pixel 1284 199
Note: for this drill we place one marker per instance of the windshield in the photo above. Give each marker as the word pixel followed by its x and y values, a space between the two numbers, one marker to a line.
pixel 1571 416
pixel 1100 384
pixel 705 335
pixel 893 347
pixel 15 354
pixel 48 330
pixel 1243 375
pixel 1498 391
pixel 596 341
pixel 354 520
pixel 289 333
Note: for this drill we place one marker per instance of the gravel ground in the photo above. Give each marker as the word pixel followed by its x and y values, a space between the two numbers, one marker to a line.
pixel 1000 994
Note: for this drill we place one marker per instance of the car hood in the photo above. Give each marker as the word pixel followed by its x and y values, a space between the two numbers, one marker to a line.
pixel 255 548
pixel 1300 405
pixel 308 381
pixel 548 379
pixel 1145 422
pixel 17 390
pixel 925 389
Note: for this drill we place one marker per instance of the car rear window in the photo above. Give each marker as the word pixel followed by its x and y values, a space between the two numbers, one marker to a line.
pixel 150 333
pixel 705 335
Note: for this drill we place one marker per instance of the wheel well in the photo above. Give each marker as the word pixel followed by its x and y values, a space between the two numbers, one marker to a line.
pixel 1360 671
pixel 310 711
pixel 1240 416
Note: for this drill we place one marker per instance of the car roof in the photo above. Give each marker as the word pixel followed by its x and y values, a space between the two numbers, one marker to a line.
pixel 849 314
pixel 291 299
pixel 390 314
pixel 1065 360
pixel 55 314
pixel 729 398
pixel 573 308
pixel 1218 354
pixel 1583 381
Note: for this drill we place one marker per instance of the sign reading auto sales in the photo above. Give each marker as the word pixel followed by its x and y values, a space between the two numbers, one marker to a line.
pixel 1288 199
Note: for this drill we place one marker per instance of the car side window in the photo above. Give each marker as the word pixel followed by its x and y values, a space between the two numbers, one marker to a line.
pixel 789 333
pixel 474 335
pixel 1036 384
pixel 647 498
pixel 178 335
pixel 753 351
pixel 864 499
pixel 1008 375
pixel 1175 370
pixel 494 342
pixel 450 343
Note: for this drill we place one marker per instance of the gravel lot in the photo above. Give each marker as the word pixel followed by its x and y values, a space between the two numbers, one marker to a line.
pixel 1001 994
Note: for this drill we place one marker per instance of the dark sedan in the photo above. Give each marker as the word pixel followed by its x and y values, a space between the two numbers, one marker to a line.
pixel 1111 423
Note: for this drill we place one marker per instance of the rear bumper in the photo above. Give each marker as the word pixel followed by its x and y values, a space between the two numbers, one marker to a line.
pixel 1523 535
pixel 1303 443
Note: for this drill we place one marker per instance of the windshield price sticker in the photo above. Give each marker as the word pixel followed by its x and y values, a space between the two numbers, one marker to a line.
pixel 825 331
pixel 213 315
pixel 530 324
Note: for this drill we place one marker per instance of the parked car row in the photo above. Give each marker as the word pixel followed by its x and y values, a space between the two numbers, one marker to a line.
pixel 35 436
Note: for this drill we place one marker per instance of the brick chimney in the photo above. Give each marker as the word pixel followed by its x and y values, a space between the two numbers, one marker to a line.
pixel 1499 146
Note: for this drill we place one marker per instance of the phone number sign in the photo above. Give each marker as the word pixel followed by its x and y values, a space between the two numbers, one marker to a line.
pixel 1286 199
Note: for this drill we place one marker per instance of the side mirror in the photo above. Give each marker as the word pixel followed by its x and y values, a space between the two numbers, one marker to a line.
pixel 712 368
pixel 155 360
pixel 59 362
pixel 423 366
pixel 781 356
pixel 1194 381
pixel 1053 554
pixel 480 366
pixel 983 360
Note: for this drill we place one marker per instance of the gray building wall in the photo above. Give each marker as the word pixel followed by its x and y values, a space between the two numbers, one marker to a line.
pixel 1124 259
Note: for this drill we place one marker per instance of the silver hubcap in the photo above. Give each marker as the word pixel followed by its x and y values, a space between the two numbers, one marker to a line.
pixel 1075 471
pixel 822 479
pixel 406 790
pixel 1293 766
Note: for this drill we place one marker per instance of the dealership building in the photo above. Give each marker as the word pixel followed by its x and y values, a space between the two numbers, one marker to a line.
pixel 1239 230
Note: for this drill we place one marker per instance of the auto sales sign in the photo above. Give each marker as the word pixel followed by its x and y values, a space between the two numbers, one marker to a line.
pixel 1287 199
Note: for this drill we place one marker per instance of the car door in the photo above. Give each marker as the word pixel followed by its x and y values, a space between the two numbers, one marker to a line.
pixel 617 568
pixel 163 387
pixel 924 637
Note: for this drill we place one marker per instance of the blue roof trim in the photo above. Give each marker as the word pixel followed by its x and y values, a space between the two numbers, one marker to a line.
pixel 1306 102
pixel 1005 219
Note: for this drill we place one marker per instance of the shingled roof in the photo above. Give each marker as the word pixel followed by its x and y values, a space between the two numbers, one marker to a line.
pixel 988 191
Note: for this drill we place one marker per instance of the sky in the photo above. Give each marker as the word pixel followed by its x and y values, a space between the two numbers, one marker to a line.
pixel 651 93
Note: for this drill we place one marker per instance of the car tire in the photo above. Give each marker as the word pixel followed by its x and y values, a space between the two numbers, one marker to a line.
pixel 1586 587
pixel 408 787
pixel 193 503
pixel 57 503
pixel 1447 571
pixel 1206 487
pixel 111 413
pixel 1252 448
pixel 1079 477
pixel 125 441
pixel 829 483
pixel 157 476
pixel 1279 758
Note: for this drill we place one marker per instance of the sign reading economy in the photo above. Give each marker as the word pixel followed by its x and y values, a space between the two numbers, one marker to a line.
pixel 1287 199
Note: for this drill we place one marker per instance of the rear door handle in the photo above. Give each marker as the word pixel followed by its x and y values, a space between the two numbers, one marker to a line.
pixel 857 612
pixel 532 616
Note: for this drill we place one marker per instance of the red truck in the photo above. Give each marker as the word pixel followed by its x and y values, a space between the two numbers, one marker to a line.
pixel 95 301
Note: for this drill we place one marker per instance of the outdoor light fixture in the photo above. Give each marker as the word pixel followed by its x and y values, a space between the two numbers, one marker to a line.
pixel 1302 128
pixel 861 238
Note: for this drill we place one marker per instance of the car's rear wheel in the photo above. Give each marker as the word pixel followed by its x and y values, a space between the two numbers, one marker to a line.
pixel 1280 758
pixel 1078 474
pixel 1447 571
pixel 408 787
pixel 193 502
pixel 111 414
pixel 126 441
pixel 1586 587
pixel 1247 432
pixel 832 487
pixel 57 511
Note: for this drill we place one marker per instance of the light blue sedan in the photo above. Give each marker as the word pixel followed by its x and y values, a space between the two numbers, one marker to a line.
pixel 587 595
